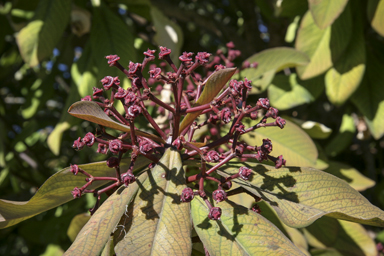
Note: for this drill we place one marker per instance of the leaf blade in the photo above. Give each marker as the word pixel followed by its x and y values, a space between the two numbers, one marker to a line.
pixel 325 12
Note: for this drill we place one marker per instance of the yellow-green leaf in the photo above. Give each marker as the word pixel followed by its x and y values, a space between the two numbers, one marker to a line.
pixel 376 15
pixel 77 223
pixel 345 237
pixel 90 111
pixel 239 232
pixel 314 129
pixel 95 234
pixel 37 40
pixel 213 86
pixel 57 190
pixel 302 195
pixel 291 142
pixel 323 47
pixel 325 12
pixel 157 222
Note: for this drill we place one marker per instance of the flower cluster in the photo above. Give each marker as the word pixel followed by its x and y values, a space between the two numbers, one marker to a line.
pixel 175 93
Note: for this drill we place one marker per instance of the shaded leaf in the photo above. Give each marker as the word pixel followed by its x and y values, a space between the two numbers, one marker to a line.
pixel 239 231
pixel 325 12
pixel 157 222
pixel 90 111
pixel 376 15
pixel 302 195
pixel 213 86
pixel 293 8
pixel 345 237
pixel 271 61
pixel 287 92
pixel 291 142
pixel 37 40
pixel 314 129
pixel 57 190
pixel 77 223
pixel 95 234
pixel 343 138
pixel 323 46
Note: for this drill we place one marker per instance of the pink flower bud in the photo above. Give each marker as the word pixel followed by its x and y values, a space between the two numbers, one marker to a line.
pixel 102 148
pixel 76 192
pixel 215 213
pixel 113 162
pixel 74 169
pixel 89 139
pixel 245 173
pixel 219 195
pixel 187 195
pixel 115 146
pixel 112 60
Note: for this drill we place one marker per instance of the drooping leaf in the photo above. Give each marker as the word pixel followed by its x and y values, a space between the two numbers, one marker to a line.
pixel 77 223
pixel 239 231
pixel 37 40
pixel 291 142
pixel 157 223
pixel 95 234
pixel 323 47
pixel 345 76
pixel 286 92
pixel 56 191
pixel 345 237
pixel 213 86
pixel 325 12
pixel 314 129
pixel 376 15
pixel 90 111
pixel 302 195
pixel 269 62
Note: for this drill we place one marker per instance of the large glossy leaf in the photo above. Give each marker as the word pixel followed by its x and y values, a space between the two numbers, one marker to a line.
pixel 325 12
pixel 239 232
pixel 291 142
pixel 157 222
pixel 56 191
pixel 271 61
pixel 213 86
pixel 345 237
pixel 302 195
pixel 286 92
pixel 37 40
pixel 369 97
pixel 342 80
pixel 95 234
pixel 323 46
pixel 90 111
pixel 376 15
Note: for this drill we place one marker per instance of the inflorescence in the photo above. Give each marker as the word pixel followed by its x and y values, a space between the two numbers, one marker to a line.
pixel 184 87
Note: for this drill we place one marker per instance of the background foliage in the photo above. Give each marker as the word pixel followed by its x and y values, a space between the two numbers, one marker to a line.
pixel 321 64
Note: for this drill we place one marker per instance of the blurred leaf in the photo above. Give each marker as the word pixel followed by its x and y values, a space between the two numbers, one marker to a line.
pixel 108 248
pixel 37 40
pixel 343 138
pixel 376 15
pixel 369 97
pixel 290 35
pixel 237 230
pixel 354 178
pixel 345 237
pixel 342 80
pixel 291 142
pixel 213 86
pixel 323 46
pixel 77 223
pixel 325 12
pixel 56 191
pixel 168 33
pixel 271 61
pixel 157 222
pixel 293 8
pixel 302 195
pixel 90 111
pixel 314 129
pixel 95 234
pixel 287 92
pixel 53 250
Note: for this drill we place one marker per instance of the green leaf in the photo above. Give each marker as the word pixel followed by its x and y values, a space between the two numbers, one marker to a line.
pixel 323 46
pixel 325 12
pixel 157 222
pixel 345 237
pixel 292 8
pixel 343 138
pixel 37 40
pixel 354 178
pixel 239 231
pixel 57 191
pixel 342 80
pixel 271 61
pixel 77 223
pixel 369 97
pixel 302 195
pixel 291 142
pixel 376 15
pixel 287 92
pixel 314 129
pixel 95 234
pixel 90 111
pixel 213 86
